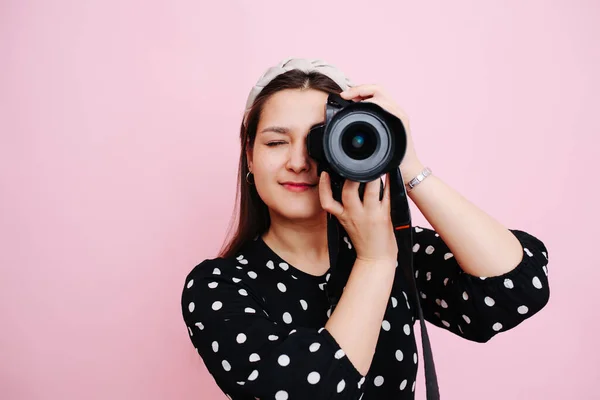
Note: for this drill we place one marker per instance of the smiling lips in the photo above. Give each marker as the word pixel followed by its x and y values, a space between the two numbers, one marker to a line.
pixel 297 186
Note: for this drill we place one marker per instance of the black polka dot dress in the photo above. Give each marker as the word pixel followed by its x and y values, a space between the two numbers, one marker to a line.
pixel 258 323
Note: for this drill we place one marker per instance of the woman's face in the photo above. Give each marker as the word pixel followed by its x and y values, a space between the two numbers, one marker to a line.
pixel 285 176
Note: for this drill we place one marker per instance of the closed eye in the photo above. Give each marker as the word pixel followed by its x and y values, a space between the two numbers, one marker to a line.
pixel 276 143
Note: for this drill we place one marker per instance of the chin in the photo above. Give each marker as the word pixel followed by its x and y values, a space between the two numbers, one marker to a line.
pixel 299 212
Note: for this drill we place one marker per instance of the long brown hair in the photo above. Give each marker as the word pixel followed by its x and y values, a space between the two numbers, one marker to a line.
pixel 251 215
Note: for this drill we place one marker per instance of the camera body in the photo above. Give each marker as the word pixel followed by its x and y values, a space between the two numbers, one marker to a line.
pixel 359 141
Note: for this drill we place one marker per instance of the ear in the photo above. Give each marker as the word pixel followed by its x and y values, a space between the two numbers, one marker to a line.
pixel 249 154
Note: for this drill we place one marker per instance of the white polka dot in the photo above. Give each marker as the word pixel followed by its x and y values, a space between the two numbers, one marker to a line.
pixel 489 301
pixel 416 247
pixel 443 303
pixel 446 281
pixel 236 280
pixel 252 274
pixel 213 285
pixel 284 266
pixel 281 395
pixel 448 256
pixel 199 325
pixel 217 305
pixel 460 329
pixel 545 255
pixel 190 283
pixel 465 296
pixel 347 242
pixel 415 358
pixel 407 329
pixel 341 385
pixel 418 229
pixel 483 278
pixel 385 325
pixel 497 326
pixel 545 270
pixel 423 295
pixel 528 252
pixel 241 338
pixel 360 383
pixel 243 292
pixel 314 378
pixel 536 282
pixel 428 276
pixel 292 331
pixel 249 310
pixel 191 307
pixel 446 324
pixel 287 318
pixel 394 302
pixel 399 355
pixel 321 330
pixel 226 365
pixel 216 271
pixel 215 346
pixel 523 310
pixel 314 347
pixel 416 273
pixel 467 319
pixel 304 304
pixel 405 296
pixel 253 375
pixel 378 381
pixel 403 384
pixel 509 283
pixel 339 354
pixel 327 277
pixel 190 331
pixel 281 287
pixel 283 360
pixel 329 313
pixel 254 357
pixel 413 386
pixel 270 264
pixel 429 250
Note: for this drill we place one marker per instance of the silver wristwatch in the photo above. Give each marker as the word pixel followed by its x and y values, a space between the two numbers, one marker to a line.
pixel 418 179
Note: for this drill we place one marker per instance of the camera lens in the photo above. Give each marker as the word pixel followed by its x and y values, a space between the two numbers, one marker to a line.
pixel 359 141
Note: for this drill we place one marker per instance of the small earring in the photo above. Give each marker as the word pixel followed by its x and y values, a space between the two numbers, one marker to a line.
pixel 248 178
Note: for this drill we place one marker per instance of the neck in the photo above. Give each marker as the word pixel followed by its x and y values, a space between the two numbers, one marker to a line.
pixel 295 240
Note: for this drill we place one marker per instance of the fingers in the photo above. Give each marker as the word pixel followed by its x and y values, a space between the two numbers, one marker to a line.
pixel 361 92
pixel 371 197
pixel 328 203
pixel 350 197
pixel 387 197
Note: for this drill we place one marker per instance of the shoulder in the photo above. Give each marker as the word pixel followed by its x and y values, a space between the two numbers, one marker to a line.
pixel 209 268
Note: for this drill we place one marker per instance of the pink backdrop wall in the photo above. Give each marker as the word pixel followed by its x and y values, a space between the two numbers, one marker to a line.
pixel 118 145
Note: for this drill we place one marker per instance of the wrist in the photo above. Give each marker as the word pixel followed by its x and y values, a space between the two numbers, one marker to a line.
pixel 411 170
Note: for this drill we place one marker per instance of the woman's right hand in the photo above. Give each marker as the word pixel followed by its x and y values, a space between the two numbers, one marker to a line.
pixel 368 223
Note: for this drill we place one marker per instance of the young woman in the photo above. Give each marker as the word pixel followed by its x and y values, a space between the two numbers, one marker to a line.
pixel 258 313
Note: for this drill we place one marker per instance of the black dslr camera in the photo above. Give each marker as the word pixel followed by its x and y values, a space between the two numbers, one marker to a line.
pixel 359 141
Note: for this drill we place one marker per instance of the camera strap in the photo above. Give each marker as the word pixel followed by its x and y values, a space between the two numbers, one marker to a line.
pixel 341 267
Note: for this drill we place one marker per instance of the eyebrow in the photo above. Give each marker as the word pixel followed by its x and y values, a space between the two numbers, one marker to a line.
pixel 276 129
pixel 283 130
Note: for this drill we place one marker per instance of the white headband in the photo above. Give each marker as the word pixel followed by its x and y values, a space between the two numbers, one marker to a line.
pixel 303 64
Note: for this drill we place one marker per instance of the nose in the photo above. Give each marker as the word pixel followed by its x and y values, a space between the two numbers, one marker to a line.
pixel 298 159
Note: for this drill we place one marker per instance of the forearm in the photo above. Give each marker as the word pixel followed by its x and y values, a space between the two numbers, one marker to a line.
pixel 482 246
pixel 356 321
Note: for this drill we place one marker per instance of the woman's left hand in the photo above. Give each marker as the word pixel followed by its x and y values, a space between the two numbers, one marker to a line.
pixel 410 165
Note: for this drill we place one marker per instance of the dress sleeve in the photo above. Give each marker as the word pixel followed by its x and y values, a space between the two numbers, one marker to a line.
pixel 248 353
pixel 478 308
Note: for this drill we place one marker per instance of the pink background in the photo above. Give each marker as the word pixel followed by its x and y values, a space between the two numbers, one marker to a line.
pixel 118 154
